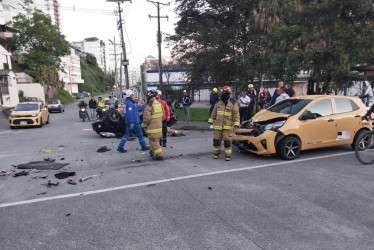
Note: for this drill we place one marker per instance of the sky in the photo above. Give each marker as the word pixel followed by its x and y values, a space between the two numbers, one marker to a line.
pixel 92 18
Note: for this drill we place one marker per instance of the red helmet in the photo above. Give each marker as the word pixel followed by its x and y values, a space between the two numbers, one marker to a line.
pixel 226 89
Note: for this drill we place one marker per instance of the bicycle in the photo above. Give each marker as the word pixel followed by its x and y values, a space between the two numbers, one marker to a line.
pixel 364 147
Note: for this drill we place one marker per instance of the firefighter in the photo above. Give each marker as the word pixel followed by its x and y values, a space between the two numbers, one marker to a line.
pixel 224 117
pixel 152 124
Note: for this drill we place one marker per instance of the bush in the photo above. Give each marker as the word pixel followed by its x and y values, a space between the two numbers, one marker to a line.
pixel 21 96
pixel 64 97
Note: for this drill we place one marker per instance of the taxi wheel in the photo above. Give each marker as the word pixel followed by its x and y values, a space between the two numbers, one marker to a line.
pixel 47 120
pixel 12 127
pixel 289 148
pixel 41 123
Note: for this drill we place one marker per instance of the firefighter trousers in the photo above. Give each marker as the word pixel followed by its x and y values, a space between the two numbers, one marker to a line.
pixel 154 143
pixel 219 136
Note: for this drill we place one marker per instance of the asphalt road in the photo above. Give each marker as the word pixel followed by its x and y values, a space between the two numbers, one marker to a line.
pixel 323 200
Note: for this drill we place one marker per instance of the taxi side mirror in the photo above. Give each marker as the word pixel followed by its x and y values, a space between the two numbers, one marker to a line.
pixel 309 116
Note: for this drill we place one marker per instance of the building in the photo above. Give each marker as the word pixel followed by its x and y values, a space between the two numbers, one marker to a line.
pixel 8 83
pixel 94 46
pixel 51 8
pixel 71 76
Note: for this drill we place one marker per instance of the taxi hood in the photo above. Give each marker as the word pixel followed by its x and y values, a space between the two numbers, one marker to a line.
pixel 266 115
pixel 25 113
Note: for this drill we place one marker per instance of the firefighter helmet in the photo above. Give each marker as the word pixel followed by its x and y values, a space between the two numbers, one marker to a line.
pixel 226 89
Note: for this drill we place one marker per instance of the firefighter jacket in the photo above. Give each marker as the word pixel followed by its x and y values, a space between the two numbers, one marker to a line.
pixel 224 117
pixel 152 118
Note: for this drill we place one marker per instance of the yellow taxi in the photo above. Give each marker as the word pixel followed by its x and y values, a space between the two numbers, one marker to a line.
pixel 28 114
pixel 302 123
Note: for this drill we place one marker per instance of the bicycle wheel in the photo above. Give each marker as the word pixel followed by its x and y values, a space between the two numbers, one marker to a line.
pixel 364 148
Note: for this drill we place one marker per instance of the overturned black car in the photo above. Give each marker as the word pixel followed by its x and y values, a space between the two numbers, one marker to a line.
pixel 112 124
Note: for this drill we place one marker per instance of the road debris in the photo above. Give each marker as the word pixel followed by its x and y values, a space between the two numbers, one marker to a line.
pixel 47 164
pixel 67 215
pixel 151 185
pixel 22 173
pixel 62 159
pixel 41 193
pixel 72 182
pixel 87 178
pixel 5 173
pixel 210 188
pixel 50 184
pixel 46 150
pixel 64 175
pixel 40 177
pixel 103 149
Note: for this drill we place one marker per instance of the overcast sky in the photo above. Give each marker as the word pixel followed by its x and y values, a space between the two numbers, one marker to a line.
pixel 141 31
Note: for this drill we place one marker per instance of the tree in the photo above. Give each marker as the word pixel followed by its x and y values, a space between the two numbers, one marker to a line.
pixel 41 44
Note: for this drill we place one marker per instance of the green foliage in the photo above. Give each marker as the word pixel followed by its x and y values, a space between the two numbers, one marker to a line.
pixel 65 97
pixel 196 114
pixel 21 96
pixel 96 81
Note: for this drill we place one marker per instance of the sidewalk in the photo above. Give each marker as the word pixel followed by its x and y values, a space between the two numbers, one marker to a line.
pixel 5 110
pixel 200 126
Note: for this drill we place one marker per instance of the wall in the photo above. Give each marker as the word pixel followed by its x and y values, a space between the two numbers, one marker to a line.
pixel 32 90
pixel 12 99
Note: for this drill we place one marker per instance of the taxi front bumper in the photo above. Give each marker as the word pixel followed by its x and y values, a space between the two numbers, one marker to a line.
pixel 263 144
pixel 24 121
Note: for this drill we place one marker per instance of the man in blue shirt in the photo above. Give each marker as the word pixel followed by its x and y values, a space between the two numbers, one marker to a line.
pixel 132 123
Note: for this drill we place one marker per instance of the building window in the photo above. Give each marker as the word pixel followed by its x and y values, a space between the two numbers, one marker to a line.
pixel 4 85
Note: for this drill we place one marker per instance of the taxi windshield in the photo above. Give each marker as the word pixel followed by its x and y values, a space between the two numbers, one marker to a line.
pixel 26 107
pixel 290 106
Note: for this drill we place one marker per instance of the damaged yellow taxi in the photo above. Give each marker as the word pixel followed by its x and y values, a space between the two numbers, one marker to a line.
pixel 303 123
pixel 28 114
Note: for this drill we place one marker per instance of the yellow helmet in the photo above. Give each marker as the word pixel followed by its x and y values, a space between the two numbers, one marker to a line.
pixel 250 86
pixel 215 90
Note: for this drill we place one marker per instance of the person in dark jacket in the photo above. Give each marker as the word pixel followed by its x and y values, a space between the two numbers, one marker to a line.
pixel 289 91
pixel 83 104
pixel 264 98
pixel 132 123
pixel 186 105
pixel 92 104
pixel 252 94
pixel 214 98
pixel 275 95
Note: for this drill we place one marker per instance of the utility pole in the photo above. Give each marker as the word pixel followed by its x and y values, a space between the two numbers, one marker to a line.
pixel 120 78
pixel 124 62
pixel 115 63
pixel 159 37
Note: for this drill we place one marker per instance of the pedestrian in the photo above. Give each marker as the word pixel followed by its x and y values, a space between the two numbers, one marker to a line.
pixel 252 95
pixel 282 95
pixel 244 102
pixel 275 95
pixel 264 98
pixel 152 124
pixel 224 117
pixel 214 98
pixel 186 105
pixel 100 102
pixel 137 101
pixel 289 91
pixel 132 121
pixel 92 104
pixel 165 119
pixel 367 92
pixel 112 102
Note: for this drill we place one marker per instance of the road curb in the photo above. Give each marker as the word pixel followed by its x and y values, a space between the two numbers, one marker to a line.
pixel 6 111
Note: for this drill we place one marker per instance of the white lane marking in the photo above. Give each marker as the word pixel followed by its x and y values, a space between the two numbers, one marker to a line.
pixel 87 129
pixel 5 132
pixel 142 184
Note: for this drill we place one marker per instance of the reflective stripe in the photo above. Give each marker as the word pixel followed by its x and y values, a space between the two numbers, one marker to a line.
pixel 217 127
pixel 228 151
pixel 227 114
pixel 220 112
pixel 156 151
pixel 217 148
pixel 236 123
pixel 224 113
pixel 142 125
pixel 210 120
pixel 151 131
pixel 156 116
pixel 158 108
pixel 227 127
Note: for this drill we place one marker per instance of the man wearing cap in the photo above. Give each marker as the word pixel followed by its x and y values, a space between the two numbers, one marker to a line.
pixel 152 124
pixel 132 123
pixel 214 98
pixel 165 119
pixel 186 105
pixel 251 94
pixel 224 117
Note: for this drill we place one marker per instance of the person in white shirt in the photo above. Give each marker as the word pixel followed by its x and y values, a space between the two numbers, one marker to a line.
pixel 367 92
pixel 244 101
pixel 281 94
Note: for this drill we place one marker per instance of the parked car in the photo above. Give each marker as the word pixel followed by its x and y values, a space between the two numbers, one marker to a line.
pixel 55 105
pixel 35 99
pixel 302 123
pixel 79 96
pixel 28 114
pixel 86 94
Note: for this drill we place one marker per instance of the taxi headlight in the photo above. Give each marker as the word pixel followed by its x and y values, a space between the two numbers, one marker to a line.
pixel 274 125
pixel 35 114
pixel 12 115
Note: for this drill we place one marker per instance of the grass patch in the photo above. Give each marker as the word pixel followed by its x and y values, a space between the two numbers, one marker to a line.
pixel 65 97
pixel 198 115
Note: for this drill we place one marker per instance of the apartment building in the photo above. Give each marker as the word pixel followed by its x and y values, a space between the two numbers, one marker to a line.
pixel 94 46
pixel 71 76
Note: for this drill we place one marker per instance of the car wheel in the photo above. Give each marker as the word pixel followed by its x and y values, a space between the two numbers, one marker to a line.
pixel 60 111
pixel 358 135
pixel 289 148
pixel 12 127
pixel 41 123
pixel 113 115
pixel 47 120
